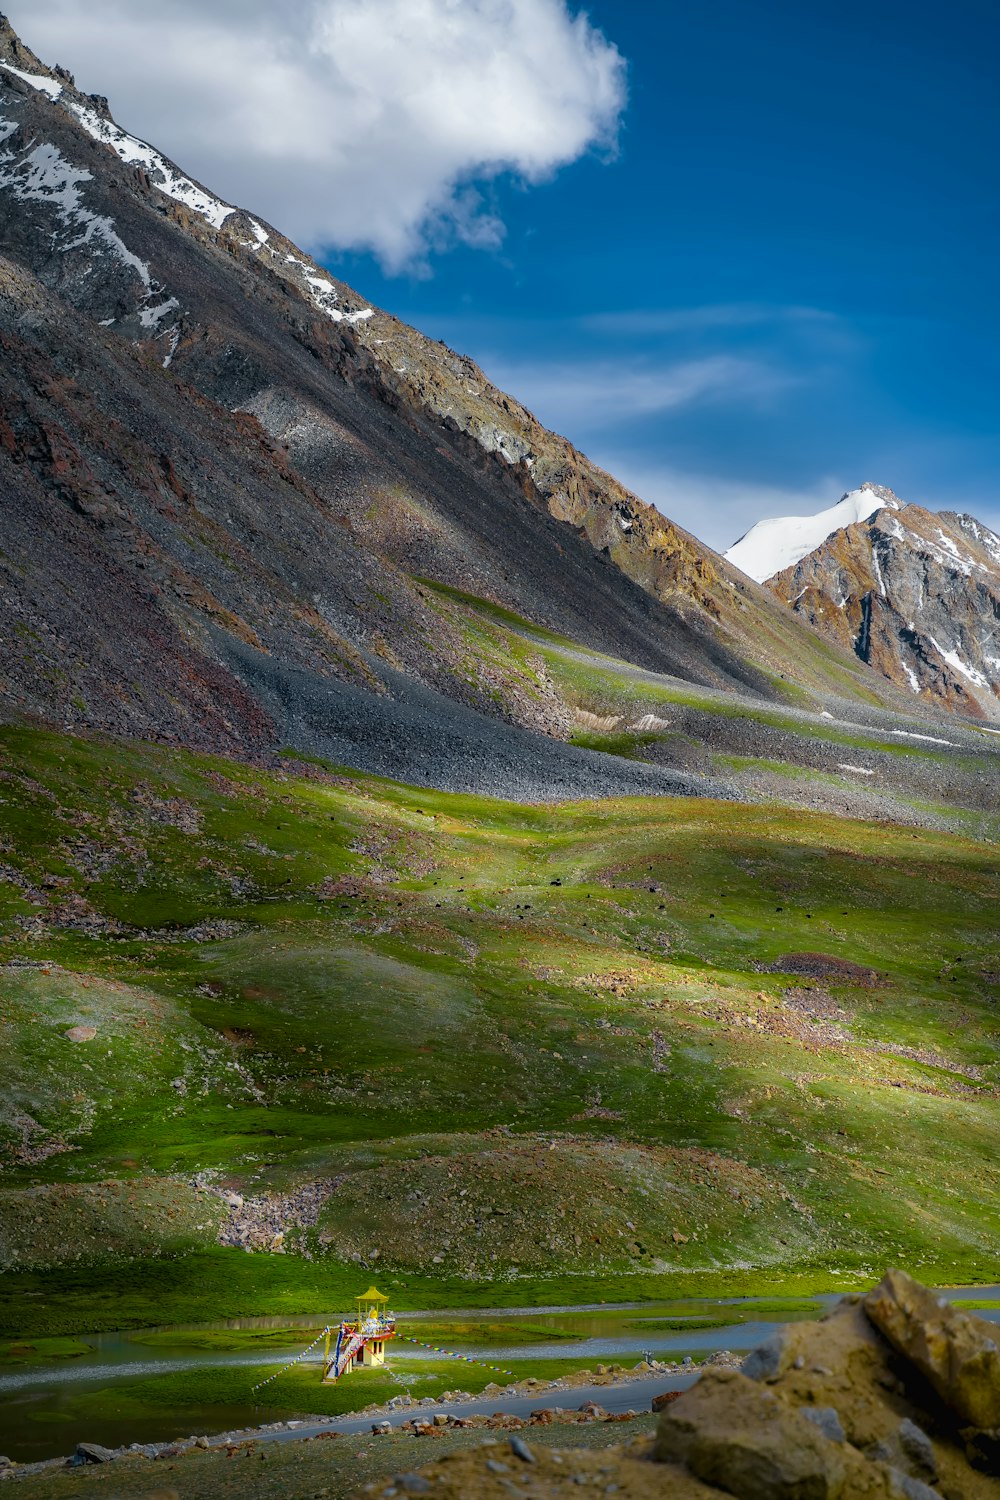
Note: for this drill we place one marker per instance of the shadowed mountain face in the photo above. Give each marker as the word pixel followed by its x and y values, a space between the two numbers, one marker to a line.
pixel 917 595
pixel 233 491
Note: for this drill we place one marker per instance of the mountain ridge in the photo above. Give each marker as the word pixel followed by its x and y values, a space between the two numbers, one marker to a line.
pixel 917 595
pixel 232 311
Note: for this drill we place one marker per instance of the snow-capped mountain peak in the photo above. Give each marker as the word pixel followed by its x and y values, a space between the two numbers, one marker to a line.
pixel 780 542
pixel 916 593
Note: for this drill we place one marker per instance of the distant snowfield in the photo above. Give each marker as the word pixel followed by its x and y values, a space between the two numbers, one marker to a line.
pixel 779 543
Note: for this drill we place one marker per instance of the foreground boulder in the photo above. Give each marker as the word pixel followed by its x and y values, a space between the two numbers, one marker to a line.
pixel 957 1352
pixel 893 1396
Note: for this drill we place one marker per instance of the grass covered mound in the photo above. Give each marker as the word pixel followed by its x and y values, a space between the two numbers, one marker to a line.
pixel 474 1205
pixel 442 1038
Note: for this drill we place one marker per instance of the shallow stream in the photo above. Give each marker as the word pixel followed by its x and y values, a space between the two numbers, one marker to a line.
pixel 40 1408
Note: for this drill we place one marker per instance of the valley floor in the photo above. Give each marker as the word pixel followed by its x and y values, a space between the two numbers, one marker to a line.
pixel 485 1053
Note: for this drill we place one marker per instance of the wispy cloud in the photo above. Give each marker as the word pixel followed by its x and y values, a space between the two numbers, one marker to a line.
pixel 705 319
pixel 583 397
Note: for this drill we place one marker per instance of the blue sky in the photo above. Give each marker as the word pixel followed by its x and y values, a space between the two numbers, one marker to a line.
pixel 784 282
pixel 780 284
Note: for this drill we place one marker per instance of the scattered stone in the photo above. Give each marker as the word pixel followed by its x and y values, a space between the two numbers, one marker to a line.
pixel 93 1453
pixel 908 1488
pixel 918 1447
pixel 81 1033
pixel 520 1450
pixel 770 1358
pixel 827 1420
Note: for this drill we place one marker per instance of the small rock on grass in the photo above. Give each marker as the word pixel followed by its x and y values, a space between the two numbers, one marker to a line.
pixel 521 1450
pixel 93 1453
pixel 81 1033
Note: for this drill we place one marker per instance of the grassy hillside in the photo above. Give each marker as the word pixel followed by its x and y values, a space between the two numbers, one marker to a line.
pixel 657 1045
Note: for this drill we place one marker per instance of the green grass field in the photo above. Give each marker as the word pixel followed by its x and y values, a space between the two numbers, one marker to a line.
pixel 516 1054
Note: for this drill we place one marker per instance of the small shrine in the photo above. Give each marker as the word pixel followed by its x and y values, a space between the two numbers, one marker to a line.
pixel 361 1340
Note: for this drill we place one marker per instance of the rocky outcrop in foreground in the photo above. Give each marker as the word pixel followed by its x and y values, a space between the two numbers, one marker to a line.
pixel 893 1396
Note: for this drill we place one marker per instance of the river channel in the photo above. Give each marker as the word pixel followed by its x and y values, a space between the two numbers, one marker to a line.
pixel 47 1406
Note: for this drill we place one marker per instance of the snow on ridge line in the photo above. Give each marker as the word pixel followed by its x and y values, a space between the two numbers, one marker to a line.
pixel 782 541
pixel 50 86
pixel 135 152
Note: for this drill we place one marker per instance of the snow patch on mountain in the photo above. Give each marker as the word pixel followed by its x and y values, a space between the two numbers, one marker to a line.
pixel 41 174
pixel 44 175
pixel 954 660
pixel 169 180
pixel 137 153
pixel 773 545
pixel 50 86
pixel 988 540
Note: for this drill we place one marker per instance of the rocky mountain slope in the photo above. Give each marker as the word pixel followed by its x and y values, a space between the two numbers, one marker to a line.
pixel 916 595
pixel 239 501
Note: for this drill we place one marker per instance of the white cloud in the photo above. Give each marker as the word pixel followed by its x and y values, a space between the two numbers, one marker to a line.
pixel 592 395
pixel 717 510
pixel 356 124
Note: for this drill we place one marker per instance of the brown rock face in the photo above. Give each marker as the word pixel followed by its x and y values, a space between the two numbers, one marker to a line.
pixel 733 1433
pixel 958 1353
pixel 916 596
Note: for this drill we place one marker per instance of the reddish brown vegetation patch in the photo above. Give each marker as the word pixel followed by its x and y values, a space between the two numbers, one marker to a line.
pixel 826 966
